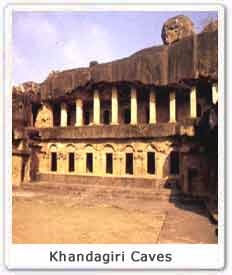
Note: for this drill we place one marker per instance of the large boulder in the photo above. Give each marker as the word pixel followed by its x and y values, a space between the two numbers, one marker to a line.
pixel 176 28
pixel 211 27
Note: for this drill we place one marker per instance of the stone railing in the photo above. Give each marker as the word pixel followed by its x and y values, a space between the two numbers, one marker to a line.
pixel 115 131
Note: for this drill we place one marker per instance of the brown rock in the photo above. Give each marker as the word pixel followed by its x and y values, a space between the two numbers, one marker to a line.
pixel 186 59
pixel 176 28
pixel 211 27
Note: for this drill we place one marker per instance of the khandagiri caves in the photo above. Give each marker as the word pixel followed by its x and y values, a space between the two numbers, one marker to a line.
pixel 148 120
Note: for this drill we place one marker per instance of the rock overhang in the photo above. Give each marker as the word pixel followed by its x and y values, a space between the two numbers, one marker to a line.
pixel 192 57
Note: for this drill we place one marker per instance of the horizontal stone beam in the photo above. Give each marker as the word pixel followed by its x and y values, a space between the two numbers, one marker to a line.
pixel 116 131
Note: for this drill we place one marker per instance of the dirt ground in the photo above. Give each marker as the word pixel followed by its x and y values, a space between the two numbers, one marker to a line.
pixel 46 217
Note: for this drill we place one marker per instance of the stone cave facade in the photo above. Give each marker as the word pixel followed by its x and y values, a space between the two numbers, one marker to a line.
pixel 146 119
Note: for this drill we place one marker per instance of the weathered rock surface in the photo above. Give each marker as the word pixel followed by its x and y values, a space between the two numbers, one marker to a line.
pixel 177 28
pixel 27 87
pixel 190 57
pixel 211 27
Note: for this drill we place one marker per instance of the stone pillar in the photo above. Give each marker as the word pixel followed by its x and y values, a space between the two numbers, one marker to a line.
pixel 172 107
pixel 120 164
pixel 152 107
pixel 64 115
pixel 80 162
pixel 115 164
pixel 133 106
pixel 139 169
pixel 215 93
pixel 96 163
pixel 44 162
pixel 62 160
pixel 193 102
pixel 79 112
pixel 96 107
pixel 114 106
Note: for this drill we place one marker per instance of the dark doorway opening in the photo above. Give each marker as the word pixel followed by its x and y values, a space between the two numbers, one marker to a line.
pixel 127 116
pixel 53 161
pixel 35 109
pixel 147 115
pixel 109 163
pixel 89 162
pixel 71 115
pixel 199 110
pixel 106 117
pixel 56 115
pixel 129 163
pixel 174 163
pixel 71 162
pixel 86 118
pixel 151 163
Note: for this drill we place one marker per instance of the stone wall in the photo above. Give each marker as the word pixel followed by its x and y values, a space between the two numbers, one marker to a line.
pixel 16 169
pixel 20 168
pixel 194 173
pixel 161 148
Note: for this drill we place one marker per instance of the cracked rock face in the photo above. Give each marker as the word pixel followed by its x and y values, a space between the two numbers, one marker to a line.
pixel 176 28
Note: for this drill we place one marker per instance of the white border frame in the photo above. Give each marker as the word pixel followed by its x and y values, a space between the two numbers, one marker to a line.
pixel 17 256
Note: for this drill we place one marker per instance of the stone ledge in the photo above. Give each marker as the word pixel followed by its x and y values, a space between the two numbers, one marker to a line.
pixel 101 180
pixel 115 131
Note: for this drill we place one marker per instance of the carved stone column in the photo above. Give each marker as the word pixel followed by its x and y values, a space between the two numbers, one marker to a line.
pixel 79 112
pixel 63 115
pixel 133 106
pixel 114 106
pixel 62 160
pixel 140 169
pixel 120 164
pixel 193 102
pixel 96 107
pixel 152 107
pixel 172 107
pixel 115 164
pixel 215 93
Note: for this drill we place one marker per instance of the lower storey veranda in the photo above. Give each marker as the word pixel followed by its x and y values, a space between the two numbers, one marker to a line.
pixel 148 159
